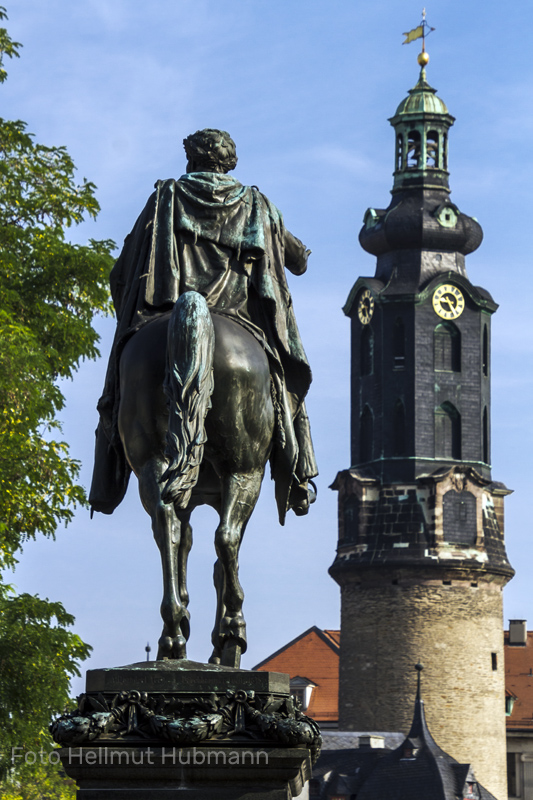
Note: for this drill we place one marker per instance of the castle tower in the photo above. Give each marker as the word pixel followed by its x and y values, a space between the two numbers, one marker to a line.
pixel 421 560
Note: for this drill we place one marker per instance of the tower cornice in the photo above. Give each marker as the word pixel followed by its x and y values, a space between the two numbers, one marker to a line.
pixel 398 292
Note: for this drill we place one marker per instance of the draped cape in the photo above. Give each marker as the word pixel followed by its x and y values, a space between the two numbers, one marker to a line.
pixel 209 233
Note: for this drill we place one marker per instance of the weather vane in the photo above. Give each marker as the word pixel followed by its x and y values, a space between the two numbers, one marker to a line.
pixel 420 32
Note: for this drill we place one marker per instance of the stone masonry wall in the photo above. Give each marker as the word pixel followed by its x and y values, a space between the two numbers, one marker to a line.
pixel 455 630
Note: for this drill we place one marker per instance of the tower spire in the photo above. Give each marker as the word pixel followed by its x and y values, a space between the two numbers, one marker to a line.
pixel 421 538
pixel 421 123
pixel 419 729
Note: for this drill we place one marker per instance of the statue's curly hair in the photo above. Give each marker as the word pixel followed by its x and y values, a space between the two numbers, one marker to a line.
pixel 211 150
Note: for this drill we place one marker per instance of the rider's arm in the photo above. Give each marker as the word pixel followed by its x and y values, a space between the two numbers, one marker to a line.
pixel 296 254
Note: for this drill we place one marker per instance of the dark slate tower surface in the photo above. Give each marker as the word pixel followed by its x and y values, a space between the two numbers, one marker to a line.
pixel 421 559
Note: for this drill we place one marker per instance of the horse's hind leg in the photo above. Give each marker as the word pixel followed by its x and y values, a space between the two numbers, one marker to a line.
pixel 239 496
pixel 183 555
pixel 167 532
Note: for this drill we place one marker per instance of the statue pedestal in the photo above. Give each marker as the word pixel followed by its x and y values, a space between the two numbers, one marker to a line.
pixel 153 729
pixel 232 772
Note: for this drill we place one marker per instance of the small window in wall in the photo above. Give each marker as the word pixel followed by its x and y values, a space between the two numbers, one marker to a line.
pixel 301 690
pixel 494 661
pixel 399 429
pixel 432 149
pixel 351 518
pixel 485 351
pixel 471 790
pixel 459 517
pixel 444 151
pixel 398 344
pixel 366 437
pixel 367 351
pixel 447 432
pixel 299 695
pixel 413 150
pixel 447 348
pixel 486 456
pixel 399 151
pixel 512 775
pixel 509 704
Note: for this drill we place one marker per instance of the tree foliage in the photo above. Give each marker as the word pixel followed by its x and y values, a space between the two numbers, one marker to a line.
pixel 50 290
pixel 38 656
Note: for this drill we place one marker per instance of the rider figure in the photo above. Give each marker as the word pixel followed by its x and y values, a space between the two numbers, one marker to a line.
pixel 208 233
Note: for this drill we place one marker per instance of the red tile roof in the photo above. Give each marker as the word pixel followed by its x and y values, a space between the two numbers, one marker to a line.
pixel 313 655
pixel 519 682
pixel 335 636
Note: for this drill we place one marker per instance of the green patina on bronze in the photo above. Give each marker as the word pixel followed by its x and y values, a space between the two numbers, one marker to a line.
pixel 421 122
pixel 206 379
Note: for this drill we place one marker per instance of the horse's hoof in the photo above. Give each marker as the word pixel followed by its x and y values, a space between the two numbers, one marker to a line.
pixel 172 647
pixel 233 628
pixel 231 653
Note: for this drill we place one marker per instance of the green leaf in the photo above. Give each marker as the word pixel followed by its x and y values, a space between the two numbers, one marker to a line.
pixel 50 290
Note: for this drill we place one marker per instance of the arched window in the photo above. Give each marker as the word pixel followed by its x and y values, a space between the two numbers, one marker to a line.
pixel 444 151
pixel 398 344
pixel 432 149
pixel 485 351
pixel 399 151
pixel 367 351
pixel 486 453
pixel 398 433
pixel 366 435
pixel 459 517
pixel 447 347
pixel 413 150
pixel 447 432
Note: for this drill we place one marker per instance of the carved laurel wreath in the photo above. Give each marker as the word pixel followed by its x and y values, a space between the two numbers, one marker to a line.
pixel 135 715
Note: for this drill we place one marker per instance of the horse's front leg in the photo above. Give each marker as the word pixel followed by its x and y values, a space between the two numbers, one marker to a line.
pixel 167 533
pixel 239 497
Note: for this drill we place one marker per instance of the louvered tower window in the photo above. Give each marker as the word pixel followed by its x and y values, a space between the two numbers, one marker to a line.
pixel 447 347
pixel 398 345
pixel 447 432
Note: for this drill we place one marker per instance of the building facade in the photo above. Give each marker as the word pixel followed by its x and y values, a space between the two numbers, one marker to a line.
pixel 519 709
pixel 316 653
pixel 421 559
pixel 312 662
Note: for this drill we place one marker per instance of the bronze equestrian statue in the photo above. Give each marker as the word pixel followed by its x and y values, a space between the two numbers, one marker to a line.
pixel 206 379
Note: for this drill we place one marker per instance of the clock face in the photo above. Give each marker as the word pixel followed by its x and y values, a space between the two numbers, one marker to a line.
pixel 365 307
pixel 448 301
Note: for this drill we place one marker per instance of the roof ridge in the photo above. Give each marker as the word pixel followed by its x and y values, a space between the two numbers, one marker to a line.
pixel 313 629
pixel 333 634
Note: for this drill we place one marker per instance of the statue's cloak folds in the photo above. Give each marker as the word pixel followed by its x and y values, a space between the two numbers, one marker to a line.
pixel 209 233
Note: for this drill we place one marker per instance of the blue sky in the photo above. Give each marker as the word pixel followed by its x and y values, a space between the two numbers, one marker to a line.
pixel 305 89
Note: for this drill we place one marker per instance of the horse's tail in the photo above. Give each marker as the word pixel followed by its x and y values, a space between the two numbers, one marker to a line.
pixel 188 385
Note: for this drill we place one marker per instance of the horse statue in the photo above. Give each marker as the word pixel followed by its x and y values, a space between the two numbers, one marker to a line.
pixel 207 378
pixel 210 445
